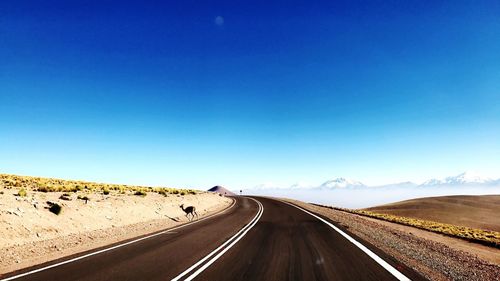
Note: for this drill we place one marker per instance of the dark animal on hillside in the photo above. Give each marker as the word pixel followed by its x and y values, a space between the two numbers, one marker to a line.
pixel 189 210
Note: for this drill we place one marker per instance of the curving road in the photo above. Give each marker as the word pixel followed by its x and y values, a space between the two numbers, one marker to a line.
pixel 256 239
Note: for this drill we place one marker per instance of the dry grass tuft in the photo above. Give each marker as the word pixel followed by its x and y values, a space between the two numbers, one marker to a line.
pixel 22 193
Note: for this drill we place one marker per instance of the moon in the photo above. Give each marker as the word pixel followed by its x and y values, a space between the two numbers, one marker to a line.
pixel 219 20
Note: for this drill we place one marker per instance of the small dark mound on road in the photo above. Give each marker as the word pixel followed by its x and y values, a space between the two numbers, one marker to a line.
pixel 221 190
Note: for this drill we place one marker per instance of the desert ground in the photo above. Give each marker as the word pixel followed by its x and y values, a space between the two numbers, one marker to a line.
pixel 30 233
pixel 476 211
pixel 92 215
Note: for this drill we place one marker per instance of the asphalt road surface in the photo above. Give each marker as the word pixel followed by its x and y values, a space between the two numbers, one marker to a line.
pixel 256 239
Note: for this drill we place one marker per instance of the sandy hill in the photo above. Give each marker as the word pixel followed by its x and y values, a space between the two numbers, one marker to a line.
pixel 221 190
pixel 480 211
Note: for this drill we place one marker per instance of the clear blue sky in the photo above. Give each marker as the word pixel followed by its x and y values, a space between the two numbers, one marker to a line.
pixel 198 93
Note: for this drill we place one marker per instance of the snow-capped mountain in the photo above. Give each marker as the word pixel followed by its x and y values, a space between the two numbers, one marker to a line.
pixel 337 183
pixel 341 183
pixel 465 178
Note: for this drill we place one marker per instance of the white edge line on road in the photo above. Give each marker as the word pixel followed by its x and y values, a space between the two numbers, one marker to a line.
pixel 116 246
pixel 234 239
pixel 379 260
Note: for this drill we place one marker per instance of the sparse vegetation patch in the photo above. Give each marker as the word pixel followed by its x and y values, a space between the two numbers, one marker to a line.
pixel 486 237
pixel 57 185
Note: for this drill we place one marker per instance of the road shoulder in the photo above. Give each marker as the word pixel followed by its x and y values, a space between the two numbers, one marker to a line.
pixel 432 259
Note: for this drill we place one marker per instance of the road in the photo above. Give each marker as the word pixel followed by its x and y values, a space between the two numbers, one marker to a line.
pixel 257 239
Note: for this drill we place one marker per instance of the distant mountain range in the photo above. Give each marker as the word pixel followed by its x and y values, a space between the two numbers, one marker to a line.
pixel 466 178
pixel 341 183
pixel 461 180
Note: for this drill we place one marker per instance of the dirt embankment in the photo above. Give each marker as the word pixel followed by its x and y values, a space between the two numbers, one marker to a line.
pixel 475 211
pixel 30 233
pixel 435 256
